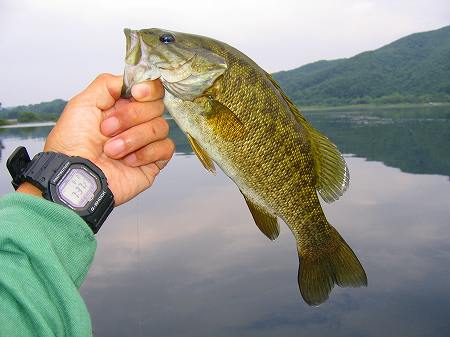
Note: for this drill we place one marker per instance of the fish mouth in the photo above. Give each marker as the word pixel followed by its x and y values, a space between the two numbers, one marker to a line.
pixel 146 70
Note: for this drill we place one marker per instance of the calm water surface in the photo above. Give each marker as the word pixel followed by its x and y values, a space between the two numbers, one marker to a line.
pixel 185 259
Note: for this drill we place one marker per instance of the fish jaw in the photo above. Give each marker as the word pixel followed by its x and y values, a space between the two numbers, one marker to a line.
pixel 137 68
pixel 136 74
pixel 185 70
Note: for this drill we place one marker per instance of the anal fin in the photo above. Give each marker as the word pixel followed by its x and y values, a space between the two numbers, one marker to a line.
pixel 266 222
pixel 201 154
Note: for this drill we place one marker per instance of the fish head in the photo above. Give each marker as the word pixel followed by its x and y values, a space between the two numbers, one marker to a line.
pixel 183 62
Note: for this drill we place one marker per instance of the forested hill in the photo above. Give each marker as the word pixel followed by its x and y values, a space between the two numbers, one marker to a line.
pixel 44 111
pixel 413 69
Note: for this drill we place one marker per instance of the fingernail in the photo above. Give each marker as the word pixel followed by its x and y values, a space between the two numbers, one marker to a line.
pixel 115 147
pixel 130 160
pixel 161 163
pixel 140 90
pixel 110 125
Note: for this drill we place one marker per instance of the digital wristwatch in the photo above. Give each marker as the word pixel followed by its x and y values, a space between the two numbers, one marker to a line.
pixel 73 182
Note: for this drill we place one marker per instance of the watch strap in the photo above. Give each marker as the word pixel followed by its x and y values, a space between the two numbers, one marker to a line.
pixel 16 164
pixel 43 167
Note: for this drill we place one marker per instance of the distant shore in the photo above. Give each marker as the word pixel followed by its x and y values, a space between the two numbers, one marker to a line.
pixel 14 123
pixel 355 107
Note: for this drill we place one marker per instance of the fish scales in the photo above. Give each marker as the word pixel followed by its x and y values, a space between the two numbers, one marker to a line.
pixel 237 116
pixel 283 148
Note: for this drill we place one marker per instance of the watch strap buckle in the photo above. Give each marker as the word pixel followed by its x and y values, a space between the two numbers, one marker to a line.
pixel 16 164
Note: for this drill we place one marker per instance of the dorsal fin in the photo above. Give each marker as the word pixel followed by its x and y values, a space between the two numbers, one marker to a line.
pixel 266 222
pixel 201 154
pixel 332 173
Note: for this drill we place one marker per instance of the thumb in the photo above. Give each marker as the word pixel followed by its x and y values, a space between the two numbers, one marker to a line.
pixel 103 92
pixel 148 91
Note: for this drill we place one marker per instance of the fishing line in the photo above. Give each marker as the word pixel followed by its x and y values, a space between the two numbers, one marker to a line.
pixel 139 269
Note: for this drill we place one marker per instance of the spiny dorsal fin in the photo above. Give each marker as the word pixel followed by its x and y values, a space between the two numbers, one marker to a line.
pixel 332 173
pixel 222 120
pixel 201 154
pixel 266 222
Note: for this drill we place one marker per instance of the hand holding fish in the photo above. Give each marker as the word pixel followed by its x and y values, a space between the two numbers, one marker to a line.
pixel 126 138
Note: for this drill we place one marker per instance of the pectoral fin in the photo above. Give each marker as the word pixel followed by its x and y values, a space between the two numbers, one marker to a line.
pixel 201 154
pixel 222 120
pixel 266 222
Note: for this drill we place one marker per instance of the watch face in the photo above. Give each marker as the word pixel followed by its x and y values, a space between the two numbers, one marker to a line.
pixel 77 188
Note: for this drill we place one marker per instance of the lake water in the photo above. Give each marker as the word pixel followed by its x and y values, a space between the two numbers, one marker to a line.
pixel 185 259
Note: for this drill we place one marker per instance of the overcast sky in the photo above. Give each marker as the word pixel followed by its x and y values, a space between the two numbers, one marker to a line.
pixel 53 48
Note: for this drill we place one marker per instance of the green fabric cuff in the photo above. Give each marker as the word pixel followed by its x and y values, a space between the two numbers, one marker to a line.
pixel 45 253
pixel 38 221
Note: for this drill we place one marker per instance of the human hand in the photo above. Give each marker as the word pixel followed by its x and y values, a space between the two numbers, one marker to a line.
pixel 125 138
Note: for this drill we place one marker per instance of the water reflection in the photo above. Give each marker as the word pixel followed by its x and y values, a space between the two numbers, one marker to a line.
pixel 414 140
pixel 204 269
pixel 39 132
pixel 185 258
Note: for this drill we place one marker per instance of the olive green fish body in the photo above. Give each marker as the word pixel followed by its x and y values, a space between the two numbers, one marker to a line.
pixel 235 115
pixel 273 162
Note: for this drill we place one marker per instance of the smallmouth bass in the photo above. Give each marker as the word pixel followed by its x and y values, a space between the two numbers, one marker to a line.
pixel 236 116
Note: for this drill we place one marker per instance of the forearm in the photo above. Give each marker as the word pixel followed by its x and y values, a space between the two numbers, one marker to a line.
pixel 45 253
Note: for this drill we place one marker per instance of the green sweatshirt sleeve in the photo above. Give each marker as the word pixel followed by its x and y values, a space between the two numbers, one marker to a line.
pixel 45 253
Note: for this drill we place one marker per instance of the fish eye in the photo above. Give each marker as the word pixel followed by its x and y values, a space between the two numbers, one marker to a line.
pixel 167 38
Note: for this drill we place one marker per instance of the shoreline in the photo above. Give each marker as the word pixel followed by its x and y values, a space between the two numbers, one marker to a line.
pixel 27 125
pixel 307 109
pixel 355 107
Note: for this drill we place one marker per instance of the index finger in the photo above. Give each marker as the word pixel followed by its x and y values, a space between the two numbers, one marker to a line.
pixel 148 91
pixel 103 92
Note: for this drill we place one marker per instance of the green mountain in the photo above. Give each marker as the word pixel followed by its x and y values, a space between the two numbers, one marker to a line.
pixel 35 112
pixel 413 69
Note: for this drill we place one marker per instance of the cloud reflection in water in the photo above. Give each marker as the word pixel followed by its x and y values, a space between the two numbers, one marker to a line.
pixel 204 269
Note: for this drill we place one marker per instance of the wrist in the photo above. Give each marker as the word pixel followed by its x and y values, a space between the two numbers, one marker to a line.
pixel 28 188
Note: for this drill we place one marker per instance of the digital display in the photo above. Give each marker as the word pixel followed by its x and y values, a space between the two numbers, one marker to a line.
pixel 77 188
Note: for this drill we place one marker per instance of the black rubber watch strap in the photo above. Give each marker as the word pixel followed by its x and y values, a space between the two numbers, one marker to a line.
pixel 43 167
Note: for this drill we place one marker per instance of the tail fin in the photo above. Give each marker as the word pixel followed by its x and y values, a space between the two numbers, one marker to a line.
pixel 318 273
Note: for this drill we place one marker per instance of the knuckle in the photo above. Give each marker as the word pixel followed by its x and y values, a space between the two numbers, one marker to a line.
pixel 131 114
pixel 143 155
pixel 129 143
pixel 159 107
pixel 154 171
pixel 103 76
pixel 170 146
pixel 164 126
pixel 152 130
pixel 158 127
